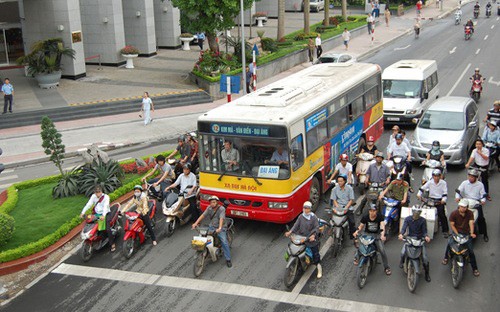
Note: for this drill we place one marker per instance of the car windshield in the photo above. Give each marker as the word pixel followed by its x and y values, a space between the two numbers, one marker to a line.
pixel 402 88
pixel 441 120
pixel 258 157
pixel 329 59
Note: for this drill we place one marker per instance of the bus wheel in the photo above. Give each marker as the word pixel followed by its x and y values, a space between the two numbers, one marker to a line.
pixel 314 194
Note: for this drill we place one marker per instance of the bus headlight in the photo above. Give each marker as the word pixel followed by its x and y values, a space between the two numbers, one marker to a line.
pixel 278 205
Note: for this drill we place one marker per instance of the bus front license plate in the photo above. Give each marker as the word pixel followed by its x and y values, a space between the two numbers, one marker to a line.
pixel 239 213
pixel 393 118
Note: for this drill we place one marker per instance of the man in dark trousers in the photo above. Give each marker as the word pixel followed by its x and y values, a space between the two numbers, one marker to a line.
pixel 8 95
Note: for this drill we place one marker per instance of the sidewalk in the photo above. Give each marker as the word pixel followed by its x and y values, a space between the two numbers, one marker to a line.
pixel 23 144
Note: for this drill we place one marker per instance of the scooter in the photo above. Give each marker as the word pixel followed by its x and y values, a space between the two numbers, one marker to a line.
pixel 432 203
pixel 476 13
pixel 298 257
pixel 430 165
pixel 176 210
pixel 459 257
pixel 399 165
pixel 371 196
pixel 488 12
pixel 339 228
pixel 458 18
pixel 207 245
pixel 93 239
pixel 364 162
pixel 391 212
pixel 135 230
pixel 475 91
pixel 412 261
pixel 467 32
pixel 367 258
pixel 492 147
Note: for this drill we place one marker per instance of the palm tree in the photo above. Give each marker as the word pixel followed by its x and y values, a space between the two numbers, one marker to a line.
pixel 307 9
pixel 344 9
pixel 281 19
pixel 326 21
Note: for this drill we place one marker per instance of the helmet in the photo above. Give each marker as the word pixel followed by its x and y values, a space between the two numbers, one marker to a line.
pixel 213 197
pixel 476 70
pixel 379 154
pixel 181 138
pixel 436 172
pixel 463 203
pixel 399 136
pixel 371 138
pixel 436 143
pixel 373 206
pixel 473 172
pixel 416 210
pixel 138 187
pixel 186 166
pixel 400 176
pixel 344 157
pixel 307 204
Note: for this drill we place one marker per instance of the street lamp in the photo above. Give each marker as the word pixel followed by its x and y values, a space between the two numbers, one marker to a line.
pixel 243 60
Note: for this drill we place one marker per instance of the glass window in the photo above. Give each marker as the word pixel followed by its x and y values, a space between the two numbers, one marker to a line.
pixel 337 121
pixel 355 93
pixel 433 120
pixel 435 79
pixel 372 82
pixel 471 113
pixel 357 107
pixel 297 155
pixel 372 97
pixel 402 88
pixel 243 156
pixel 316 137
pixel 430 85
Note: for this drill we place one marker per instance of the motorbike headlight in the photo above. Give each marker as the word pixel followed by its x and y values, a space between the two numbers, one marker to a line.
pixel 85 235
pixel 456 145
pixel 278 205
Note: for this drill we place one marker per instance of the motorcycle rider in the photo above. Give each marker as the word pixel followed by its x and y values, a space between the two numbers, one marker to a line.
pixel 344 167
pixel 470 23
pixel 436 153
pixel 399 148
pixel 462 222
pixel 373 223
pixel 417 227
pixel 99 202
pixel 343 196
pixel 477 6
pixel 167 175
pixel 494 113
pixel 217 215
pixel 488 6
pixel 183 149
pixel 378 172
pixel 477 75
pixel 480 156
pixel 416 27
pixel 193 158
pixel 474 189
pixel 399 190
pixel 307 225
pixel 184 180
pixel 369 147
pixel 438 189
pixel 458 13
pixel 140 200
pixel 492 134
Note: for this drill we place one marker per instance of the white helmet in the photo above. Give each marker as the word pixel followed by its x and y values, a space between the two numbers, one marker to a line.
pixel 436 172
pixel 307 204
pixel 213 197
pixel 416 210
pixel 463 203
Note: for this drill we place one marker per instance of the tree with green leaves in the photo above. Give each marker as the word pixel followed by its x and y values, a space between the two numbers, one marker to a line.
pixel 210 16
pixel 52 143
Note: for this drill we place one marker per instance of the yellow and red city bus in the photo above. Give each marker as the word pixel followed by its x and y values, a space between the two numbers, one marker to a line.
pixel 313 115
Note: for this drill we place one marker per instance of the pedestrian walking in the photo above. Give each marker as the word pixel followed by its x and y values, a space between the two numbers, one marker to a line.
pixel 419 7
pixel 201 39
pixel 310 47
pixel 346 35
pixel 8 95
pixel 249 76
pixel 372 33
pixel 147 107
pixel 369 23
pixel 377 9
pixel 319 49
pixel 387 15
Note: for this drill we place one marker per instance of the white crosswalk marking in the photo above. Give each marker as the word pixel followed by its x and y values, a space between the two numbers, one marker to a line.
pixel 12 177
pixel 5 186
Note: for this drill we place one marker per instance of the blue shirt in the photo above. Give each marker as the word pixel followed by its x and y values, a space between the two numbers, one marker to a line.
pixel 343 196
pixel 7 89
pixel 417 228
pixel 491 136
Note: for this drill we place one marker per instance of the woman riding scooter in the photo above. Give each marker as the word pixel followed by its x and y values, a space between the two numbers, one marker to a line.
pixel 140 200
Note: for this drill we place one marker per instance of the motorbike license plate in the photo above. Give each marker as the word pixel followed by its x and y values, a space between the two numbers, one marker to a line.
pixel 287 256
pixel 393 118
pixel 239 213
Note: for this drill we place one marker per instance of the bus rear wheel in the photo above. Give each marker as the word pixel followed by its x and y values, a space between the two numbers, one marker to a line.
pixel 314 194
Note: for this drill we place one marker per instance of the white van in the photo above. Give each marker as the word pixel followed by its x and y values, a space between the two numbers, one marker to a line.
pixel 409 87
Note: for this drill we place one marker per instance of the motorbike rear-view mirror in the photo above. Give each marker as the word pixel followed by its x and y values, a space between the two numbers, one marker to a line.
pixel 472 124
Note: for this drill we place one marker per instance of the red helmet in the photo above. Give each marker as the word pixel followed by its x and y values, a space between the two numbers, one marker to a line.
pixel 344 157
pixel 371 138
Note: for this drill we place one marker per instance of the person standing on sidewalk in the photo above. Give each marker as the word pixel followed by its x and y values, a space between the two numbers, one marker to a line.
pixel 249 76
pixel 201 39
pixel 8 95
pixel 346 35
pixel 319 49
pixel 387 15
pixel 369 23
pixel 147 106
pixel 310 46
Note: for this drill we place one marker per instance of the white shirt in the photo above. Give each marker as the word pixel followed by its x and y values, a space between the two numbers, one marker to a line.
pixel 480 161
pixel 184 181
pixel 277 157
pixel 318 41
pixel 146 103
pixel 101 208
pixel 398 150
pixel 472 191
pixel 436 191
pixel 346 35
pixel 370 19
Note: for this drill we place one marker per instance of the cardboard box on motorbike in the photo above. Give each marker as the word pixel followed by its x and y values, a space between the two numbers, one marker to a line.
pixel 429 214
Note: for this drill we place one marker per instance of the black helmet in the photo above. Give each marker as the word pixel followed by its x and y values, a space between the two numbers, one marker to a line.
pixel 181 139
pixel 436 143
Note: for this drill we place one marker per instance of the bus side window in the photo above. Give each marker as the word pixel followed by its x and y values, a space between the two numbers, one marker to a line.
pixel 297 155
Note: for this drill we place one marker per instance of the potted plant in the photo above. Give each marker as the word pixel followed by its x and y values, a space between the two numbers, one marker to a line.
pixel 260 17
pixel 186 38
pixel 44 61
pixel 129 52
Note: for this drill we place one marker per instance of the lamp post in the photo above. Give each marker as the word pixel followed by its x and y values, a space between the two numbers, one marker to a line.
pixel 243 60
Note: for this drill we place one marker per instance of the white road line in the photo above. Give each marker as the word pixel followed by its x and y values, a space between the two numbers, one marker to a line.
pixel 453 50
pixel 403 48
pixel 493 26
pixel 123 159
pixel 12 177
pixel 5 186
pixel 477 51
pixel 459 79
pixel 223 288
pixel 7 171
pixel 485 37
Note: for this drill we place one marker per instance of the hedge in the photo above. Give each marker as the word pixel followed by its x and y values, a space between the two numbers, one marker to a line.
pixel 6 228
pixel 11 201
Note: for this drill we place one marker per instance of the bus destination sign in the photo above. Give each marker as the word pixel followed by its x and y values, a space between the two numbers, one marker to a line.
pixel 316 119
pixel 247 130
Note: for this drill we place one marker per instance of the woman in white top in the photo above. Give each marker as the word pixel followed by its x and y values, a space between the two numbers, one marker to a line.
pixel 481 158
pixel 147 106
pixel 343 168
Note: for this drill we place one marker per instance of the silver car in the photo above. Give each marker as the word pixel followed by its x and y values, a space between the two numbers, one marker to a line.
pixel 452 121
pixel 335 57
pixel 317 5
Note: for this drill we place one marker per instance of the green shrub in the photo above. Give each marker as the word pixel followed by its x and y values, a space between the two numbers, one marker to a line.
pixel 32 183
pixel 107 176
pixel 67 185
pixel 301 36
pixel 6 228
pixel 268 44
pixel 339 18
pixel 11 201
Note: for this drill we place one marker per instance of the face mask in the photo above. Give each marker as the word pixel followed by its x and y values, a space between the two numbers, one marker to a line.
pixel 137 194
pixel 307 215
pixel 435 148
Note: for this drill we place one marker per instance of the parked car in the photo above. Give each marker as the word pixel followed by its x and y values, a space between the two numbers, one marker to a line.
pixel 451 120
pixel 335 57
pixel 296 5
pixel 316 5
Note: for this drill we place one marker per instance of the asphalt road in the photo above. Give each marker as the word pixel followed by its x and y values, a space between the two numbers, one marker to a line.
pixel 161 278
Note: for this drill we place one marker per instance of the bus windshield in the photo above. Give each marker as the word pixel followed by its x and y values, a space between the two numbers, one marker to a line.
pixel 255 157
pixel 402 88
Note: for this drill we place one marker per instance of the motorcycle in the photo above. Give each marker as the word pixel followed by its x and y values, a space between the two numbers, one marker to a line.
pixel 176 209
pixel 207 245
pixel 391 212
pixel 367 258
pixel 430 165
pixel 488 12
pixel 492 147
pixel 93 239
pixel 153 191
pixel 417 31
pixel 339 228
pixel 473 206
pixel 298 257
pixel 458 18
pixel 476 13
pixel 475 91
pixel 399 165
pixel 364 162
pixel 432 203
pixel 467 32
pixel 371 196
pixel 459 257
pixel 412 261
pixel 135 230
